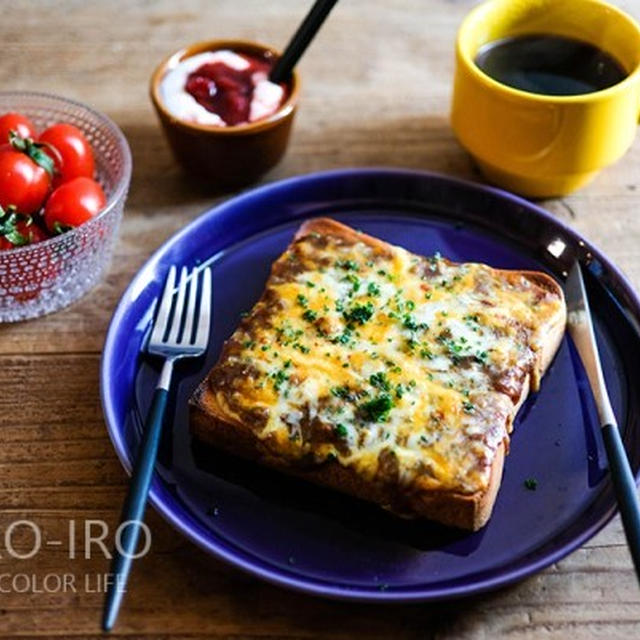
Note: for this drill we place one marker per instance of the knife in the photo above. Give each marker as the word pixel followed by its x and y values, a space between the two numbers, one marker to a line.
pixel 581 330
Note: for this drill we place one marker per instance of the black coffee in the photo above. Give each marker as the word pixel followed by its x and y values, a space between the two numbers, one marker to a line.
pixel 551 65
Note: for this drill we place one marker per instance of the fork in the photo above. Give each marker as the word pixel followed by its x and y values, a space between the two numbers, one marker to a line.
pixel 172 338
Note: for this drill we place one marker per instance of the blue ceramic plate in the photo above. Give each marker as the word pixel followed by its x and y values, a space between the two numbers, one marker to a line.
pixel 318 541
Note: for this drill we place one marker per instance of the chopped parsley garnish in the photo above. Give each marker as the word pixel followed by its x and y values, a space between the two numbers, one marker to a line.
pixel 302 300
pixel 409 323
pixel 359 314
pixel 341 431
pixel 309 315
pixel 373 289
pixel 377 410
pixel 310 284
pixel 343 338
pixel 341 392
pixel 425 353
pixel 301 347
pixel 456 350
pixel 412 344
pixel 433 262
pixel 286 333
pixel 380 381
pixel 279 378
pixel 249 344
pixel 348 265
pixel 468 407
pixel 354 280
pixel 531 484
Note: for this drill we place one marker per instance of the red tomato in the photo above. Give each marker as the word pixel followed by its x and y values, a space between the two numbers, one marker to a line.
pixel 23 183
pixel 25 281
pixel 75 156
pixel 32 232
pixel 17 230
pixel 73 203
pixel 18 123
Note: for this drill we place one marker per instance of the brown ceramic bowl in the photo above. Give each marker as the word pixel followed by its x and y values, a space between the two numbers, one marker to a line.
pixel 226 156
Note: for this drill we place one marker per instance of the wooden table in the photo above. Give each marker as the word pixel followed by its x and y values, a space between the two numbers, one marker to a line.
pixel 376 91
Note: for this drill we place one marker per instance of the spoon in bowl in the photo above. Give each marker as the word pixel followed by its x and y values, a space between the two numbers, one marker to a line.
pixel 301 40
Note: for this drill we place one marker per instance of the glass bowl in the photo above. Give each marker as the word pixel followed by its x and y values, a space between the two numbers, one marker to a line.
pixel 47 276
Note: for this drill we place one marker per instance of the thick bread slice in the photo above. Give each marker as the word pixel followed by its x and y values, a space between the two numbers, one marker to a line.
pixel 453 509
pixel 214 421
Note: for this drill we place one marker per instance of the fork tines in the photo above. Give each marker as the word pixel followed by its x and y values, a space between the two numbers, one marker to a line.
pixel 183 317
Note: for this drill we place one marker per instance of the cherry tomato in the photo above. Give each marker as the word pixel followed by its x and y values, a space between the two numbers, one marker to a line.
pixel 26 281
pixel 28 233
pixel 17 230
pixel 23 182
pixel 32 232
pixel 74 157
pixel 18 123
pixel 73 203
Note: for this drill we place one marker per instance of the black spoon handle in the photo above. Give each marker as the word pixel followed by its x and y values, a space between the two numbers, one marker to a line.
pixel 301 39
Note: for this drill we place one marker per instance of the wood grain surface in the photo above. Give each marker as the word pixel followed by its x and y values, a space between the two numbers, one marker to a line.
pixel 376 91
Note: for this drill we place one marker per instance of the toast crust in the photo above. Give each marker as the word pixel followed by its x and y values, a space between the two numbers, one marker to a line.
pixel 213 422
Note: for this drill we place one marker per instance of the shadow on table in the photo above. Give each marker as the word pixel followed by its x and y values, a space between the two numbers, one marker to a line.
pixel 425 143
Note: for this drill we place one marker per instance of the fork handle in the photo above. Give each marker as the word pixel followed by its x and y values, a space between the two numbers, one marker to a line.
pixel 136 500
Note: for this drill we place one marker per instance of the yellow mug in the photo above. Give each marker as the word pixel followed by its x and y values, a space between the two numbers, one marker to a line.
pixel 545 145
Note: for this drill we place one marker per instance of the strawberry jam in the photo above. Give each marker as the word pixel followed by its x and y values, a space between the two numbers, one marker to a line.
pixel 228 91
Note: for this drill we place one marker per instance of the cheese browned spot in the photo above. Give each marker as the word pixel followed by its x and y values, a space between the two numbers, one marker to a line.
pixel 404 368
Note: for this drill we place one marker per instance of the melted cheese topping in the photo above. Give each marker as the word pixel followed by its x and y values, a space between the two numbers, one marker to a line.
pixel 402 367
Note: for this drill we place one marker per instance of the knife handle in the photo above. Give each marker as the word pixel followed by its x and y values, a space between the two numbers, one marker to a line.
pixel 625 488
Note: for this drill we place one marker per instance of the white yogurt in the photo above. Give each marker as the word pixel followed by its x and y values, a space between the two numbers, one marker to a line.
pixel 266 99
